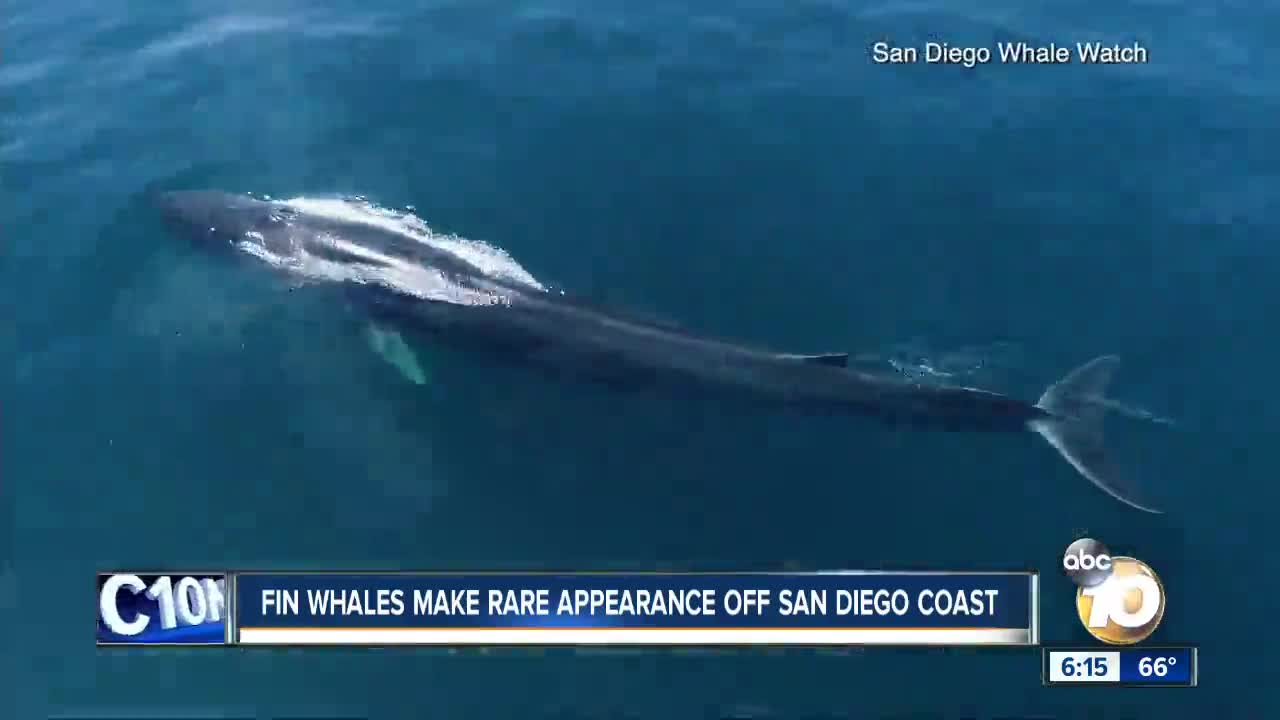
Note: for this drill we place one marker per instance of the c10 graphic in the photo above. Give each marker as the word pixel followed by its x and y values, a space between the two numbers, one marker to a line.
pixel 128 604
pixel 1119 599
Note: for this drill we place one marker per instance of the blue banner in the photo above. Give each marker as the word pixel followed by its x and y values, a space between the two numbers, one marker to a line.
pixel 1158 666
pixel 932 608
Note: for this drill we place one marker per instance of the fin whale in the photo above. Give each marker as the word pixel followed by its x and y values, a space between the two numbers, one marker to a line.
pixel 424 287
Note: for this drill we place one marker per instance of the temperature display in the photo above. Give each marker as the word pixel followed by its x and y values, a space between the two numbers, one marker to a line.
pixel 1140 666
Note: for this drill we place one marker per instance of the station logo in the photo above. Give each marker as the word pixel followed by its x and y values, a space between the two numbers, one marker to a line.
pixel 1120 600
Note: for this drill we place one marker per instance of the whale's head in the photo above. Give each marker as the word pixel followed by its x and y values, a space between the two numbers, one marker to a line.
pixel 217 219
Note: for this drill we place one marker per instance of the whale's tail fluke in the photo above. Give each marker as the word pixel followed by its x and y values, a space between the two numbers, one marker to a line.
pixel 1075 430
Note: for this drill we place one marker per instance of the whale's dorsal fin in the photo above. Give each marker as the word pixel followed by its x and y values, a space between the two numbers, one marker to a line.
pixel 832 359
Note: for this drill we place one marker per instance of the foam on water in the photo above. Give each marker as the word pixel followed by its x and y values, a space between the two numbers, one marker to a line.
pixel 492 261
pixel 370 266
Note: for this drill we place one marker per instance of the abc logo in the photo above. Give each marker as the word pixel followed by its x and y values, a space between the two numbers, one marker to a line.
pixel 1119 599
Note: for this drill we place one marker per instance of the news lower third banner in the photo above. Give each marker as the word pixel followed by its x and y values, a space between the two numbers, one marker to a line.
pixel 656 609
pixel 548 609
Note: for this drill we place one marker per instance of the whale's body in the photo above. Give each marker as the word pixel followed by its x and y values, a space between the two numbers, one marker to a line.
pixel 478 300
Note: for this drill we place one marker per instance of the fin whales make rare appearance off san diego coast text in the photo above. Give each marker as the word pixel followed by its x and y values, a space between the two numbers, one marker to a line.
pixel 408 280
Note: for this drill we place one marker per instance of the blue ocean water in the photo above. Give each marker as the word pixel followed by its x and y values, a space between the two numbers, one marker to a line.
pixel 744 168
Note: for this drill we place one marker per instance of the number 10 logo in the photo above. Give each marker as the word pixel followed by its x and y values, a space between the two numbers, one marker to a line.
pixel 1121 601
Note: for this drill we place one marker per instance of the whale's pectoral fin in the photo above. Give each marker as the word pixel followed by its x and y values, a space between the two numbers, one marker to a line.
pixel 391 346
pixel 833 359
